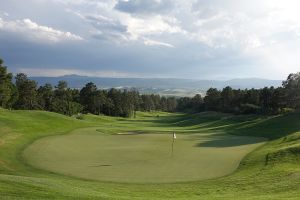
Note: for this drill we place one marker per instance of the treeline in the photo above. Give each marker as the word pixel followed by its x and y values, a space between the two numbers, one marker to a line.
pixel 268 100
pixel 26 95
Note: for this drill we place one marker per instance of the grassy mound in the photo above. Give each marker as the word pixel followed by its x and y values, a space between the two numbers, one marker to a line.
pixel 270 172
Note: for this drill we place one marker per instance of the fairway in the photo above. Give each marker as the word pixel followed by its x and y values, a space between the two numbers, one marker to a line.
pixel 140 158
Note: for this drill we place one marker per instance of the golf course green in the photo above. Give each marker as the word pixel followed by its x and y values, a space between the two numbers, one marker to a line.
pixel 45 155
pixel 140 158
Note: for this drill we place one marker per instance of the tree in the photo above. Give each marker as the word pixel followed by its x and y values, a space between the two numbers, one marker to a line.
pixel 163 104
pixel 213 99
pixel 64 100
pixel 197 103
pixel 108 106
pixel 172 103
pixel 14 96
pixel 136 100
pixel 45 96
pixel 187 104
pixel 292 90
pixel 127 104
pixel 266 95
pixel 88 98
pixel 148 104
pixel 156 101
pixel 27 90
pixel 99 101
pixel 227 98
pixel 116 99
pixel 8 92
pixel 183 104
pixel 251 97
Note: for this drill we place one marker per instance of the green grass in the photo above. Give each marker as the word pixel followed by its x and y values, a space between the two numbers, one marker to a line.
pixel 270 172
pixel 140 158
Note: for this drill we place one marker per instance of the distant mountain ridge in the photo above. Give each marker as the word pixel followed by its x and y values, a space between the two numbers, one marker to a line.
pixel 162 86
pixel 76 81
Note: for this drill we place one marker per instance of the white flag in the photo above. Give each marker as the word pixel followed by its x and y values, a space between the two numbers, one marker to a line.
pixel 174 135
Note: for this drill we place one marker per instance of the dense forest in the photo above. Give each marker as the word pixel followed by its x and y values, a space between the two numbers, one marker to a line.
pixel 23 93
pixel 268 100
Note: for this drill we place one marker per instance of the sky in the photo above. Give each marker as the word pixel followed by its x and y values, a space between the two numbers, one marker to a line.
pixel 196 39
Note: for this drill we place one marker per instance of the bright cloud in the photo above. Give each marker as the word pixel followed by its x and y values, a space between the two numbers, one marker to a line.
pixel 34 31
pixel 155 25
pixel 156 43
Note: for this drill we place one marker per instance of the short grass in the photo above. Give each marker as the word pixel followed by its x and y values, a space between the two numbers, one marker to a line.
pixel 140 157
pixel 272 171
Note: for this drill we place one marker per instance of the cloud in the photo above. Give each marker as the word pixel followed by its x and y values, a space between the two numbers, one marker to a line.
pixel 125 28
pixel 156 43
pixel 5 14
pixel 144 6
pixel 34 31
pixel 209 38
pixel 147 26
pixel 108 23
pixel 102 22
pixel 106 28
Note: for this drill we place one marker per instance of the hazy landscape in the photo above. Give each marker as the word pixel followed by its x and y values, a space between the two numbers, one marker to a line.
pixel 163 86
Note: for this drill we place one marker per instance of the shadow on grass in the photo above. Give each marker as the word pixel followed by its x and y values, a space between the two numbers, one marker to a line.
pixel 221 142
pixel 271 127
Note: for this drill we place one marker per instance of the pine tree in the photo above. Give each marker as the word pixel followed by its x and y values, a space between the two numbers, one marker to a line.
pixel 88 98
pixel 45 96
pixel 292 90
pixel 27 90
pixel 8 92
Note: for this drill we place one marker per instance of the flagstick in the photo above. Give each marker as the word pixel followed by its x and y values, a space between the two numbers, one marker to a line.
pixel 174 136
pixel 172 146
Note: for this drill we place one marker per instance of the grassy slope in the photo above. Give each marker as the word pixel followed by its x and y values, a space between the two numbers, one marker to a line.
pixel 270 172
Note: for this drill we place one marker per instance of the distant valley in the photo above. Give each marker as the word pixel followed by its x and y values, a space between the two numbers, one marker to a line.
pixel 162 86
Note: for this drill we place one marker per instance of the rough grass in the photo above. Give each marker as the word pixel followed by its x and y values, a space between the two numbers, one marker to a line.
pixel 270 172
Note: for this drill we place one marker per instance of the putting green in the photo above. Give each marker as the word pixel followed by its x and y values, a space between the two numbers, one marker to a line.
pixel 140 158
